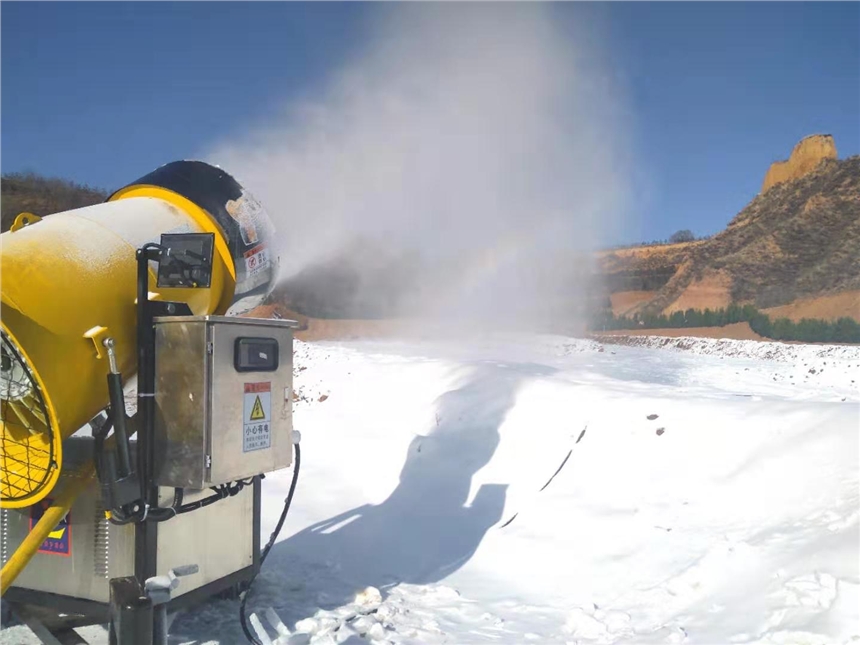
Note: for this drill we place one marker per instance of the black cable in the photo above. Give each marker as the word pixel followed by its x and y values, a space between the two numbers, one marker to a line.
pixel 162 514
pixel 242 618
pixel 220 493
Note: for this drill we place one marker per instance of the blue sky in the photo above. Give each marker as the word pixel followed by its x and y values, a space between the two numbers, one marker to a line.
pixel 103 92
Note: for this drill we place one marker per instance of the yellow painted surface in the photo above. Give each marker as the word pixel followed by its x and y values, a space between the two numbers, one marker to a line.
pixel 59 279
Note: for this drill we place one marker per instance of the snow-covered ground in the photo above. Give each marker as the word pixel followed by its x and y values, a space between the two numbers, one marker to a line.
pixel 550 490
pixel 700 498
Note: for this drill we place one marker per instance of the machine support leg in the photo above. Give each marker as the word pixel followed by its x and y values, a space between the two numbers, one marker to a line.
pixel 131 613
pixel 146 533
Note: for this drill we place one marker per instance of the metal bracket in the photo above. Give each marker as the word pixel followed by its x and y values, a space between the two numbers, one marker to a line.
pixel 158 590
pixel 24 219
pixel 163 308
pixel 131 619
pixel 98 335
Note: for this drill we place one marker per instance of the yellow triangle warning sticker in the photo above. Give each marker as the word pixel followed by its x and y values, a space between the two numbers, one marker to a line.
pixel 257 413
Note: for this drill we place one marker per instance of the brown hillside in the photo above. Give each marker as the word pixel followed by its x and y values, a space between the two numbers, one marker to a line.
pixel 829 307
pixel 626 303
pixel 642 268
pixel 800 239
pixel 711 291
pixel 805 157
pixel 42 196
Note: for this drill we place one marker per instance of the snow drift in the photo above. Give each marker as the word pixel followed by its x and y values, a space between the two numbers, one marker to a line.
pixel 542 489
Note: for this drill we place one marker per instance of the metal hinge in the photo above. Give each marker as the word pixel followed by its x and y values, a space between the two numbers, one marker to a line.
pixel 210 347
pixel 209 461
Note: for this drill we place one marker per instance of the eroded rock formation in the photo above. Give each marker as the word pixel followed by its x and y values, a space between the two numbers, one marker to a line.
pixel 805 157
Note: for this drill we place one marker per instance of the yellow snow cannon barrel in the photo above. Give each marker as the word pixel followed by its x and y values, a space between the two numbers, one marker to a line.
pixel 69 281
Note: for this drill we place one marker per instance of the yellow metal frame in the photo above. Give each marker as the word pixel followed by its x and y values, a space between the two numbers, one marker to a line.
pixel 46 325
pixel 71 281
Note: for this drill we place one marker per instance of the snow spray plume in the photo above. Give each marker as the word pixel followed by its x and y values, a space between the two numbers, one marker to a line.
pixel 451 169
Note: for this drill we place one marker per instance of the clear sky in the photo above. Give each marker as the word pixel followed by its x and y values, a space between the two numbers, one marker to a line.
pixel 101 93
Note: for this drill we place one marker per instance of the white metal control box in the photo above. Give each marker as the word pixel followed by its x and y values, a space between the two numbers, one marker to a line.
pixel 223 398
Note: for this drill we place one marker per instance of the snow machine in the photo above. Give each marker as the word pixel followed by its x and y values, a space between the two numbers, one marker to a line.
pixel 118 519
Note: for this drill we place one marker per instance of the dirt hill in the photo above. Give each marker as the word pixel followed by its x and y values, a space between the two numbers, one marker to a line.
pixel 794 250
pixel 633 276
pixel 28 192
pixel 643 268
pixel 800 239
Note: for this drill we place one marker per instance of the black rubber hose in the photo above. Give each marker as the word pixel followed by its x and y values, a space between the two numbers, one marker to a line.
pixel 242 618
pixel 119 519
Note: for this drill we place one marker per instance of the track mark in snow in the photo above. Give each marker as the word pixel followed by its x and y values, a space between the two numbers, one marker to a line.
pixel 564 461
pixel 558 470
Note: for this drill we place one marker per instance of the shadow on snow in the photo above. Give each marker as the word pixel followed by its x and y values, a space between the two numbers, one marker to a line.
pixel 421 533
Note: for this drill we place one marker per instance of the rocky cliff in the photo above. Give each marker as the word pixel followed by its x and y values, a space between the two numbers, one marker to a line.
pixel 805 158
pixel 799 240
pixel 795 248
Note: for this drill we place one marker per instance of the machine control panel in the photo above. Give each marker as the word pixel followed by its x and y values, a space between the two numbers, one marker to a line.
pixel 223 399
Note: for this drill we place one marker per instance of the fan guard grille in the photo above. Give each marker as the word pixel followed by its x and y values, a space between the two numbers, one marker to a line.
pixel 27 459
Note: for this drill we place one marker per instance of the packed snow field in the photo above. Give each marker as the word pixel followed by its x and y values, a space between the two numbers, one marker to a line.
pixel 550 490
pixel 519 489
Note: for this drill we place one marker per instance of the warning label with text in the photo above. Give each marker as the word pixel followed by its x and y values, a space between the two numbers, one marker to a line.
pixel 257 417
pixel 256 260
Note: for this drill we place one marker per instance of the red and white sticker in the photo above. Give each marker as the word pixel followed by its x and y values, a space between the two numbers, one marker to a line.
pixel 256 260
